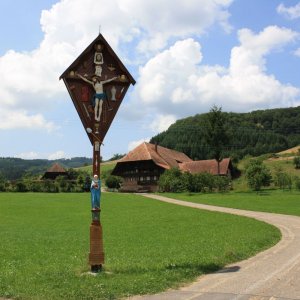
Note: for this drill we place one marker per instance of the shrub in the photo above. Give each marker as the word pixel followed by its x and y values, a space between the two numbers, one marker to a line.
pixel 297 182
pixel 20 187
pixel 297 162
pixel 204 182
pixel 222 183
pixel 2 186
pixel 50 186
pixel 172 181
pixel 258 175
pixel 282 179
pixel 87 184
pixel 196 183
pixel 175 181
pixel 2 183
pixel 36 187
pixel 61 182
pixel 113 182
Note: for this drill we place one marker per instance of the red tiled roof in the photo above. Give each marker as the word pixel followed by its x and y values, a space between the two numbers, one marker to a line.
pixel 56 168
pixel 210 166
pixel 161 156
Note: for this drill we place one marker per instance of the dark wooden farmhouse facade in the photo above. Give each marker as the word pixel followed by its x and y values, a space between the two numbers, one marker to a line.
pixel 142 167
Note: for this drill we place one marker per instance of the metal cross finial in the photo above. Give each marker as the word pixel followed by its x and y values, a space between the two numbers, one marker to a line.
pixel 99 29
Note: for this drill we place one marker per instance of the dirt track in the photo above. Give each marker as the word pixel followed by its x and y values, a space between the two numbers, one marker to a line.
pixel 273 274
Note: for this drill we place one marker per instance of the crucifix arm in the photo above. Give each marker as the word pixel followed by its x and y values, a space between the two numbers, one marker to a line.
pixel 109 80
pixel 84 79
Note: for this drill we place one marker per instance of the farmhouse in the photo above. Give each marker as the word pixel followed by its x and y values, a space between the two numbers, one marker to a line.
pixel 54 171
pixel 142 167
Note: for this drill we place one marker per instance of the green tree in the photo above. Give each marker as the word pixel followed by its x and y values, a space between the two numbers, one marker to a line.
pixel 297 182
pixel 258 175
pixel 113 182
pixel 50 186
pixel 62 183
pixel 222 183
pixel 21 186
pixel 297 162
pixel 2 183
pixel 72 174
pixel 216 134
pixel 172 181
pixel 87 183
pixel 282 179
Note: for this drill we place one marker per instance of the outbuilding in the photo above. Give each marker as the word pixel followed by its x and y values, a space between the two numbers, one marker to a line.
pixel 54 171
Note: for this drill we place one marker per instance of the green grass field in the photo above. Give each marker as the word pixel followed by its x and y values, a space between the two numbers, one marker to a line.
pixel 149 245
pixel 274 201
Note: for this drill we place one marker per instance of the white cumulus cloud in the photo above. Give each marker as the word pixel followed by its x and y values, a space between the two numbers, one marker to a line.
pixel 29 80
pixel 175 82
pixel 28 155
pixel 134 144
pixel 292 12
pixel 13 119
pixel 57 155
pixel 297 52
pixel 160 20
pixel 162 122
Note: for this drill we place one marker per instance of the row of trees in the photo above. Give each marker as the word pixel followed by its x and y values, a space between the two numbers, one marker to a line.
pixel 175 181
pixel 259 175
pixel 74 181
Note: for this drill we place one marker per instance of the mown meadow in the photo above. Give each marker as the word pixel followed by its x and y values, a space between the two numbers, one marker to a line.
pixel 150 246
pixel 273 201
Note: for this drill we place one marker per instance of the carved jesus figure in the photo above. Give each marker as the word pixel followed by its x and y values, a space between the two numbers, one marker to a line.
pixel 99 95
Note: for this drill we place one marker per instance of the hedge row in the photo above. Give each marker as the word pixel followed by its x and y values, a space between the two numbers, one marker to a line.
pixel 175 181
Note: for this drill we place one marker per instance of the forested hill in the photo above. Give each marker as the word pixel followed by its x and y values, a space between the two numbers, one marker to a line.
pixel 254 133
pixel 15 168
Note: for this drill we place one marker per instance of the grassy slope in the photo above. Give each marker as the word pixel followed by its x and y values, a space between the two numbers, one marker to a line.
pixel 149 245
pixel 104 167
pixel 284 162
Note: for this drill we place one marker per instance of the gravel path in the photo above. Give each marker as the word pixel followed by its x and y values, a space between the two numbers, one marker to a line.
pixel 273 274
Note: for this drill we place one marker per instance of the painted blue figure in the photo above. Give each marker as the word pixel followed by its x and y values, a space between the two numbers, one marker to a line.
pixel 95 192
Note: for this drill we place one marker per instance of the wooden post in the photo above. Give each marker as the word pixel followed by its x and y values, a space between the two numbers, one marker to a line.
pixel 96 255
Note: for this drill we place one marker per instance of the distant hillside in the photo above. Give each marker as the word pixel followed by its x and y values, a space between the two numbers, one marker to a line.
pixel 254 133
pixel 15 168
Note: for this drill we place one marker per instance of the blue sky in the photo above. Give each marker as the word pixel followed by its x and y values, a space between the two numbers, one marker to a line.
pixel 185 56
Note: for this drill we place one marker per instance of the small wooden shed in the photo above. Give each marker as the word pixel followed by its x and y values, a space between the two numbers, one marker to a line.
pixel 54 171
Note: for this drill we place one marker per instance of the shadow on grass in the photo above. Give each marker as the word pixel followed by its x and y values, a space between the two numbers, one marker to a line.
pixel 185 267
pixel 203 268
